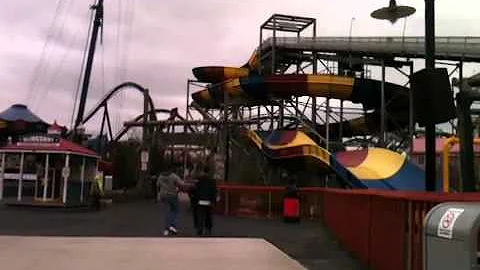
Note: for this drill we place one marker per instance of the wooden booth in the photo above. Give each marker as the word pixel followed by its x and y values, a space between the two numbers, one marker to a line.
pixel 46 169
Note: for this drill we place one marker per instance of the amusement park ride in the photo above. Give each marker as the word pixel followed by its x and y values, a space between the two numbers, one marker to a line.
pixel 311 104
pixel 266 90
pixel 290 83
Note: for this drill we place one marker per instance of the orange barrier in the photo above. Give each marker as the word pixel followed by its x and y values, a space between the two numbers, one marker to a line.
pixel 383 229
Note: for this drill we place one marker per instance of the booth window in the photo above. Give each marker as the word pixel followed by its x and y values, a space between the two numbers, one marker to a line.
pixel 12 163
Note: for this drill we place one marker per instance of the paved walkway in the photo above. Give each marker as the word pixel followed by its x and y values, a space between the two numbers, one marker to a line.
pixel 307 242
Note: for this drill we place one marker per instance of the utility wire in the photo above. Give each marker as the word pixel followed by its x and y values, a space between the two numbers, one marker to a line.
pixel 37 99
pixel 37 70
pixel 117 74
pixel 130 11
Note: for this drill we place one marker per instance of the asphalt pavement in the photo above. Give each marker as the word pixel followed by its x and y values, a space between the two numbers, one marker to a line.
pixel 307 242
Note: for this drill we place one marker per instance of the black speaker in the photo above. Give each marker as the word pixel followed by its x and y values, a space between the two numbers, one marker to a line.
pixel 432 96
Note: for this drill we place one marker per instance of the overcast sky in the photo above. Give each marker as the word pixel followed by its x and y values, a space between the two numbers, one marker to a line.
pixel 157 43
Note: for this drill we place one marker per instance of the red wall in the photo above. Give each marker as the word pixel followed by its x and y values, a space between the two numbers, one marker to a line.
pixel 383 229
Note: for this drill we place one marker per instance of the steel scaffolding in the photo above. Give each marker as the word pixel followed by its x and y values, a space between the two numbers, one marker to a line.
pixel 303 52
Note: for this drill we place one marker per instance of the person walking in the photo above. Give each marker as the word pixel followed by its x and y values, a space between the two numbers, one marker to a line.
pixel 170 183
pixel 205 194
pixel 153 179
pixel 96 192
pixel 190 180
pixel 193 202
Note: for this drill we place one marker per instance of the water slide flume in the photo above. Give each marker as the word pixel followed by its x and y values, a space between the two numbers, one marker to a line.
pixel 368 168
pixel 377 168
pixel 253 89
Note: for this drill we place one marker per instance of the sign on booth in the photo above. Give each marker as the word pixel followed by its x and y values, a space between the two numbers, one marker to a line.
pixel 447 222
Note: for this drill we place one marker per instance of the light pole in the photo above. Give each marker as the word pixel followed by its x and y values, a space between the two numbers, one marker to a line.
pixel 393 13
pixel 350 43
pixel 351 27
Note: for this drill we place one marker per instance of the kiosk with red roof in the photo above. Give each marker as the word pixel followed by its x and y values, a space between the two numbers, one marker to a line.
pixel 45 169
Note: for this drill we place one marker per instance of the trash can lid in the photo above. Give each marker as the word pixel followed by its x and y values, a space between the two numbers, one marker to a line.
pixel 453 220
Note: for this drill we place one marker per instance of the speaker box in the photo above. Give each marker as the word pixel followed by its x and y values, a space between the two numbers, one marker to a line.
pixel 432 96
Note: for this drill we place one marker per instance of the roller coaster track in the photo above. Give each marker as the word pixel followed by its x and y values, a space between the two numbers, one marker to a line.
pixel 173 114
pixel 103 102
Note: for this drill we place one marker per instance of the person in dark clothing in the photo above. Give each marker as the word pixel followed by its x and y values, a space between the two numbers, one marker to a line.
pixel 191 180
pixel 205 194
pixel 153 180
pixel 193 204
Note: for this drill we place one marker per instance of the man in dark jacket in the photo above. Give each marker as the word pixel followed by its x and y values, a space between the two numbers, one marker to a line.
pixel 205 194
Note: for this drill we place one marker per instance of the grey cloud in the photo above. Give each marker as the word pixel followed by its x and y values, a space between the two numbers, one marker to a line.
pixel 24 13
pixel 168 38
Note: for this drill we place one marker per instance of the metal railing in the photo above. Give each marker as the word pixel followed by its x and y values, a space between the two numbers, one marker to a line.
pixel 446 48
pixel 265 201
pixel 383 229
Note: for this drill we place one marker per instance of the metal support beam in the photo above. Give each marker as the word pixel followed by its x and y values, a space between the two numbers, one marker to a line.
pixel 259 68
pixel 145 118
pixel 464 101
pixel 325 66
pixel 281 114
pixel 259 124
pixel 383 127
pixel 109 123
pixel 97 23
pixel 327 124
pixel 2 173
pixel 102 126
pixel 187 107
pixel 403 72
pixel 411 119
pixel 430 136
pixel 274 42
pixel 226 128
pixel 460 72
pixel 189 122
pixel 340 129
pixel 145 139
pixel 314 71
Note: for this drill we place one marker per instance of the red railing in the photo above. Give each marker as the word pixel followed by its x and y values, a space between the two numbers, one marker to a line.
pixel 383 229
pixel 265 201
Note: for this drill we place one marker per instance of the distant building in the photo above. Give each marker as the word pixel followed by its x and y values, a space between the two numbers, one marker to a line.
pixel 46 169
pixel 18 120
pixel 418 157
pixel 56 129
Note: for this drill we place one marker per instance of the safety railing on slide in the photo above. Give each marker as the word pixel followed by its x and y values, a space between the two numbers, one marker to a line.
pixel 383 229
